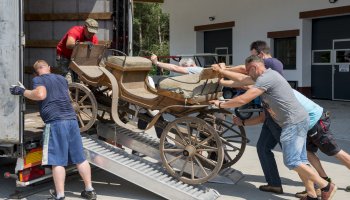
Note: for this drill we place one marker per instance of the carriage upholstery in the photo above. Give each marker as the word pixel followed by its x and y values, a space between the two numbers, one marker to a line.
pixel 203 86
pixel 86 60
pixel 129 63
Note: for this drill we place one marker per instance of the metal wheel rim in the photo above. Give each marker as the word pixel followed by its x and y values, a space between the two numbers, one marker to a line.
pixel 172 154
pixel 229 145
pixel 85 105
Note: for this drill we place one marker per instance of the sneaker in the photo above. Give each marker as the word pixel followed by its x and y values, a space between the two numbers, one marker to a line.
pixel 136 153
pixel 53 195
pixel 347 189
pixel 328 195
pixel 306 198
pixel 91 195
pixel 273 189
pixel 304 193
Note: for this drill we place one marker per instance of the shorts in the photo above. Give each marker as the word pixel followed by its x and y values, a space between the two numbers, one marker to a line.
pixel 293 140
pixel 62 144
pixel 321 137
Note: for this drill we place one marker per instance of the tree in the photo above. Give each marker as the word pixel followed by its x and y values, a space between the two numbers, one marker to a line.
pixel 150 29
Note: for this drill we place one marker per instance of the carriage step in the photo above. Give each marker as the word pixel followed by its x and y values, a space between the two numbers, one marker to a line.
pixel 141 172
pixel 149 146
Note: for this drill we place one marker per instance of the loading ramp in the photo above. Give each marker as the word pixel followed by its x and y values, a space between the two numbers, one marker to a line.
pixel 142 172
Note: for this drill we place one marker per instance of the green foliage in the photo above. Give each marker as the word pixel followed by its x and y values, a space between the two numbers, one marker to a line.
pixel 150 30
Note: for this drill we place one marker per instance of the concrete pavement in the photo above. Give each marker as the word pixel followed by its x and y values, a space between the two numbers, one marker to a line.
pixel 111 187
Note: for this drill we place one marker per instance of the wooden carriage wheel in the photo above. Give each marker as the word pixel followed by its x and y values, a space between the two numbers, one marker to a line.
pixel 84 104
pixel 234 139
pixel 185 145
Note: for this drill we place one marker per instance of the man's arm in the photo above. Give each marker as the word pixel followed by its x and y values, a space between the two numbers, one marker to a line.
pixel 235 76
pixel 70 44
pixel 239 69
pixel 231 83
pixel 172 67
pixel 168 66
pixel 240 100
pixel 38 94
pixel 251 121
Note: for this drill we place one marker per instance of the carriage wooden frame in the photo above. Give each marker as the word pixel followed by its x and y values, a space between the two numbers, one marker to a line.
pixel 198 136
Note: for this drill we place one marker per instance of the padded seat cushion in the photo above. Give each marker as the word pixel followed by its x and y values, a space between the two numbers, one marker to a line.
pixel 91 71
pixel 189 86
pixel 130 62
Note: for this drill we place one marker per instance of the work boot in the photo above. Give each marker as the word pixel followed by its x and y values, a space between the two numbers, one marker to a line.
pixel 54 196
pixel 273 189
pixel 327 195
pixel 91 195
pixel 304 193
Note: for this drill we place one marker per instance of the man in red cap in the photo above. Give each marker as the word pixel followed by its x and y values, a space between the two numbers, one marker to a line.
pixel 64 49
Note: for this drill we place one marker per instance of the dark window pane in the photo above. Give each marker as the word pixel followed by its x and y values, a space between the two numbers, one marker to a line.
pixel 322 57
pixel 285 51
pixel 343 56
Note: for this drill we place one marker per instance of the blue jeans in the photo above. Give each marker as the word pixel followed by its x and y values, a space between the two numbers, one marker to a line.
pixel 293 140
pixel 269 138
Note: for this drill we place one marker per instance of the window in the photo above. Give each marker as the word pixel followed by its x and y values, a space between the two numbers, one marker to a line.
pixel 285 51
pixel 321 57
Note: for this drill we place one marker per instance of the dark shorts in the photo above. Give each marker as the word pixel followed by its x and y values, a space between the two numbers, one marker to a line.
pixel 62 144
pixel 321 137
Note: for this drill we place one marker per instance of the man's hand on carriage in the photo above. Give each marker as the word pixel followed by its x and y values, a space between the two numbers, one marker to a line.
pixel 17 89
pixel 236 120
pixel 218 67
pixel 216 103
pixel 154 59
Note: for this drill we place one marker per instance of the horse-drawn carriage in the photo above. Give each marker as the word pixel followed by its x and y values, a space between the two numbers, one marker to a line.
pixel 198 138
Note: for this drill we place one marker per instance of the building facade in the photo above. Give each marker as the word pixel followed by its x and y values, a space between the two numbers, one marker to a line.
pixel 311 38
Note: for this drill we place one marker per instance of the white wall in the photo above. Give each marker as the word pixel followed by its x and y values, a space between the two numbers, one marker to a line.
pixel 253 19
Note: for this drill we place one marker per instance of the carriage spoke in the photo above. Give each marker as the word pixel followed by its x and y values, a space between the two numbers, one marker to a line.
pixel 204 141
pixel 83 99
pixel 175 141
pixel 86 114
pixel 227 156
pixel 201 166
pixel 174 159
pixel 86 107
pixel 208 150
pixel 206 160
pixel 230 145
pixel 172 150
pixel 192 169
pixel 184 166
pixel 180 133
pixel 76 94
pixel 189 133
pixel 80 120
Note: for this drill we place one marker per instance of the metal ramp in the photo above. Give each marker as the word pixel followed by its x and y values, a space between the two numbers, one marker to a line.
pixel 141 172
pixel 149 146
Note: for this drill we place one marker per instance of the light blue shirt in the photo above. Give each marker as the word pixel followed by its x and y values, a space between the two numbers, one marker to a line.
pixel 315 111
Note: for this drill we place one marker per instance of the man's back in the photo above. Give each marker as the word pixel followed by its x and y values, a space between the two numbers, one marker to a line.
pixel 279 99
pixel 57 104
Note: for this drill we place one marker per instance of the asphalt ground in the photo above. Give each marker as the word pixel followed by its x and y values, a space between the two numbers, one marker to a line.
pixel 109 186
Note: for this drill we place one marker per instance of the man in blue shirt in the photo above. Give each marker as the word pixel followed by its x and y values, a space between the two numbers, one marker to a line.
pixel 62 144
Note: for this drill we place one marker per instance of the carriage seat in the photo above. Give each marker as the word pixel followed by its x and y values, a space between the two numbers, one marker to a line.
pixel 191 85
pixel 91 72
pixel 129 63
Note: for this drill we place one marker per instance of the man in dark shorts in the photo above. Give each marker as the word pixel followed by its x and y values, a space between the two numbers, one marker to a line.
pixel 321 138
pixel 62 144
